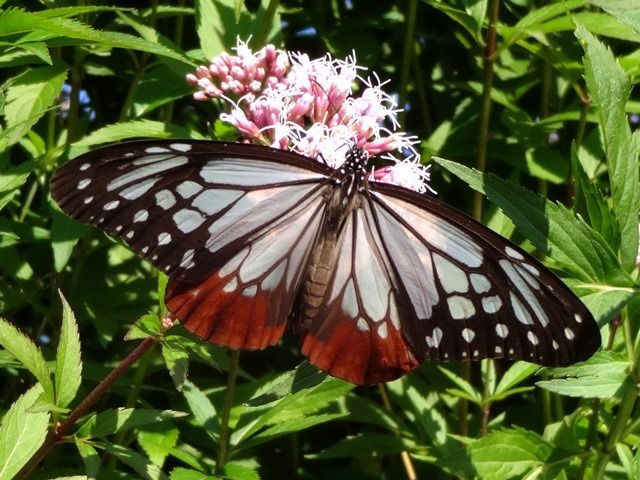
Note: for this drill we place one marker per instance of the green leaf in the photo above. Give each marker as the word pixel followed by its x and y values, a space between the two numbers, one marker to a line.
pixel 589 201
pixel 65 233
pixel 158 441
pixel 203 410
pixel 68 373
pixel 303 376
pixel 123 419
pixel 136 128
pixel 468 391
pixel 551 227
pixel 90 457
pixel 508 454
pixel 11 179
pixel 518 372
pixel 213 18
pixel 604 301
pixel 610 88
pixel 624 10
pixel 241 471
pixel 15 21
pixel 181 473
pixel 29 96
pixel 289 426
pixel 148 325
pixel 604 375
pixel 21 433
pixel 365 445
pixel 21 347
pixel 141 465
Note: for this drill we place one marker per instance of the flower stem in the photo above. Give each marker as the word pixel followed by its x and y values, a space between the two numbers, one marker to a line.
pixel 62 429
pixel 223 448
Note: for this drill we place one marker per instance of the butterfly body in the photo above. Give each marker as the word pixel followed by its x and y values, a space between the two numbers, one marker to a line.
pixel 374 278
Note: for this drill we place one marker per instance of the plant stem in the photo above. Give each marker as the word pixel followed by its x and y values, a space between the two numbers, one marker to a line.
pixel 408 51
pixel 406 458
pixel 223 448
pixel 627 405
pixel 485 112
pixel 62 429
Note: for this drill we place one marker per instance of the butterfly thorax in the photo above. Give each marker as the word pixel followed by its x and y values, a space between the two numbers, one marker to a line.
pixel 350 179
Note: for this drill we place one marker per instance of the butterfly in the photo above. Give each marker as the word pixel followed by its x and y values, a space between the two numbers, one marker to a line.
pixel 374 278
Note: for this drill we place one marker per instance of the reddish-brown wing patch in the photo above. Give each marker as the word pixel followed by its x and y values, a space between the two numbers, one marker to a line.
pixel 357 333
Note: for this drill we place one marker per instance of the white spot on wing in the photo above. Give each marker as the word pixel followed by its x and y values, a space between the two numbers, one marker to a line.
pixel 382 330
pixel 433 341
pixel 188 188
pixel 138 189
pixel 468 335
pixel 181 147
pixel 502 330
pixel 88 200
pixel 452 278
pixel 84 183
pixel 164 238
pixel 362 325
pixel 140 216
pixel 491 304
pixel 569 333
pixel 480 283
pixel 533 270
pixel 233 264
pixel 532 338
pixel 111 205
pixel 555 345
pixel 231 285
pixel 578 318
pixel 460 307
pixel 156 150
pixel 187 258
pixel 250 291
pixel 165 199
pixel 84 166
pixel 187 220
pixel 513 253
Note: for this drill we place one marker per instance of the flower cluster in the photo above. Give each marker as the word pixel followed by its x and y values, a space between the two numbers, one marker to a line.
pixel 288 101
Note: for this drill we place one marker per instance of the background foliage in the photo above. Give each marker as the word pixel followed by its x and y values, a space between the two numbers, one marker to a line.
pixel 535 92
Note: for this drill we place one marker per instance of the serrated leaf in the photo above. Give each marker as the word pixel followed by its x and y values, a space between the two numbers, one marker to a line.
pixel 122 419
pixel 238 471
pixel 508 454
pixel 551 227
pixel 148 325
pixel 610 88
pixel 141 465
pixel 589 201
pixel 303 376
pixel 176 359
pixel 365 445
pixel 203 410
pixel 21 433
pixel 604 375
pixel 90 457
pixel 626 11
pixel 68 375
pixel 21 347
pixel 11 179
pixel 158 441
pixel 29 96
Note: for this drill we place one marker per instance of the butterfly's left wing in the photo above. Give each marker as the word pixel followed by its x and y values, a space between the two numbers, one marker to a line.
pixel 231 224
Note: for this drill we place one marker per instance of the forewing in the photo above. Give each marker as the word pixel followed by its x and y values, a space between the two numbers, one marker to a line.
pixel 473 293
pixel 186 206
pixel 356 333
